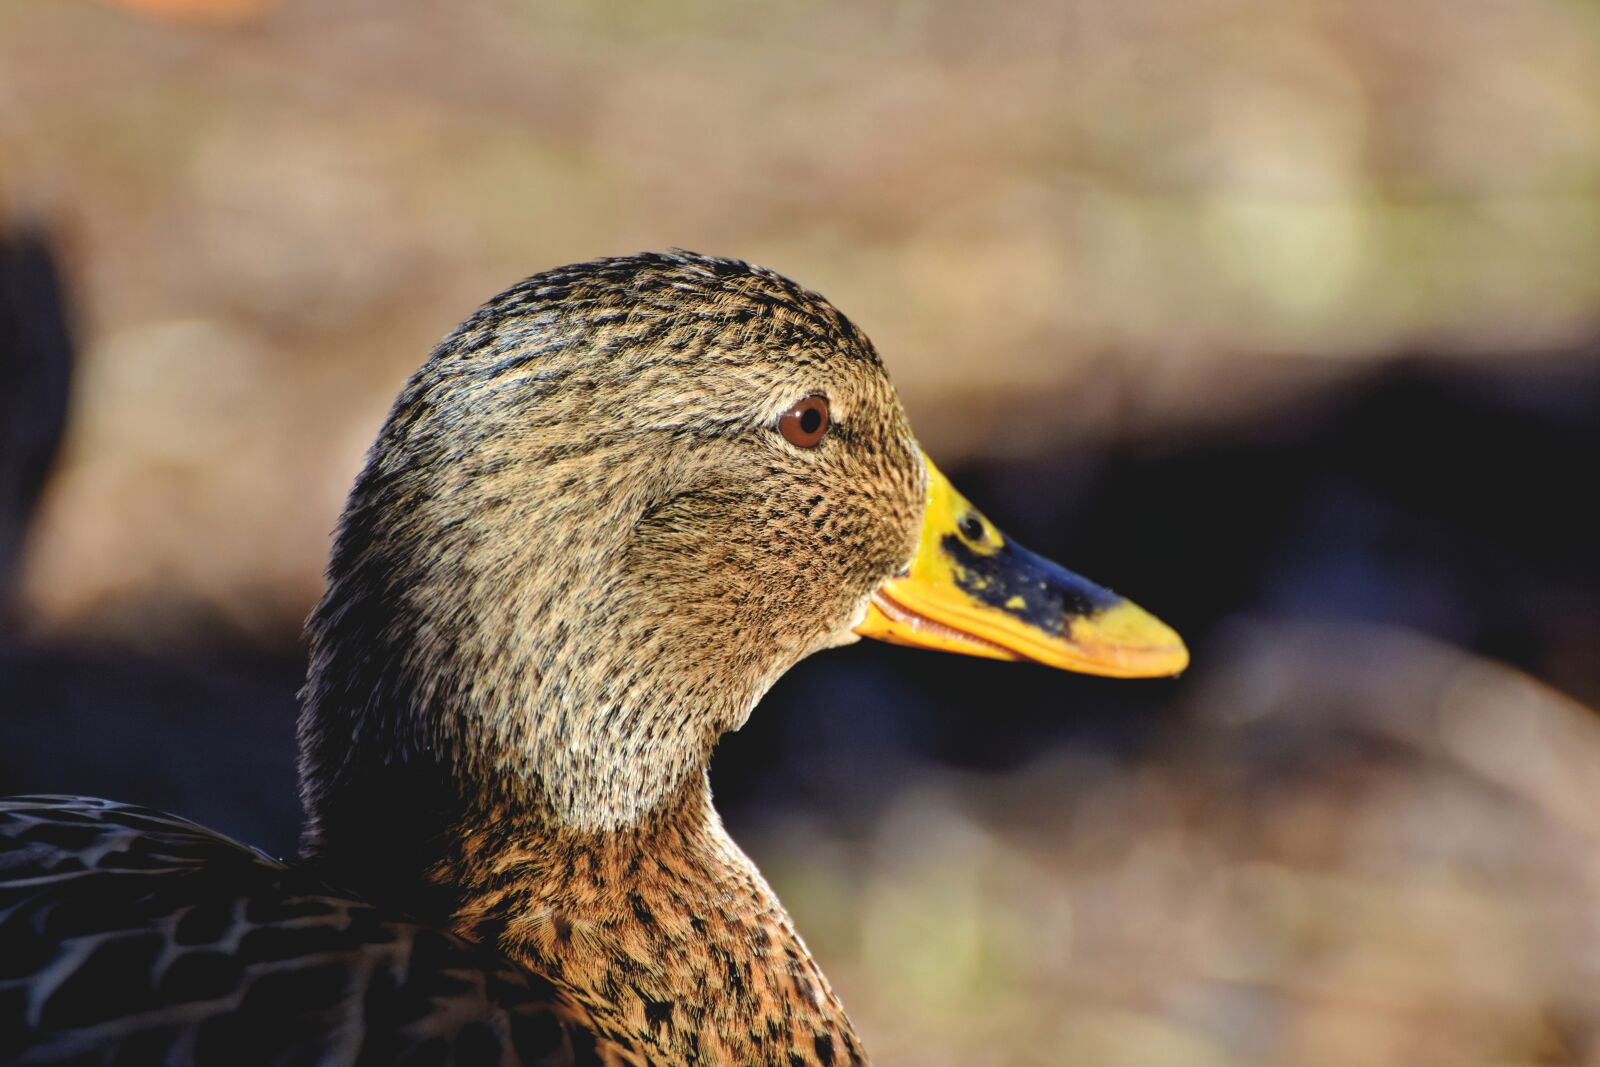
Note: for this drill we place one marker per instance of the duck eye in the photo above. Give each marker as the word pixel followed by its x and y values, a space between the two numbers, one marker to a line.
pixel 805 424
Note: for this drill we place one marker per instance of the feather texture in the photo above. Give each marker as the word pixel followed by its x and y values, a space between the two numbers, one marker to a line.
pixel 130 936
pixel 579 552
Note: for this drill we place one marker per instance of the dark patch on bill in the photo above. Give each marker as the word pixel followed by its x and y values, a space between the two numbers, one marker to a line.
pixel 1040 593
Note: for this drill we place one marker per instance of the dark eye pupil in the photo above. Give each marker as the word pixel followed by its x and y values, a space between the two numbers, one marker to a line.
pixel 805 424
pixel 971 527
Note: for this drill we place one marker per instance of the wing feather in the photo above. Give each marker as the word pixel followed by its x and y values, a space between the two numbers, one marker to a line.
pixel 131 936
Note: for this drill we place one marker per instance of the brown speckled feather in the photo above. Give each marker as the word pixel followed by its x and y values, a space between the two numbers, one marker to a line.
pixel 667 927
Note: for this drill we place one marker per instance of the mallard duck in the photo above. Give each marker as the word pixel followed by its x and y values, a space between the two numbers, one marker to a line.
pixel 600 521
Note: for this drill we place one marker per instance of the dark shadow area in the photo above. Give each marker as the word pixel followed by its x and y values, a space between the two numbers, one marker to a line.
pixel 35 381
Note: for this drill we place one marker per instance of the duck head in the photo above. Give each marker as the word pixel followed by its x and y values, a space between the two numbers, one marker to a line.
pixel 613 507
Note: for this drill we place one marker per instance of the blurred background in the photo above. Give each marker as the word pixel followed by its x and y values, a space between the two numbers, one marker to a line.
pixel 1281 318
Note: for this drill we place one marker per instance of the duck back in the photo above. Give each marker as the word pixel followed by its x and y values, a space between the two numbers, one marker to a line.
pixel 131 936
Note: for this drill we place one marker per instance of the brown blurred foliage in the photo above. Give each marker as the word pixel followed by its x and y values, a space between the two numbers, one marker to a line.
pixel 1392 864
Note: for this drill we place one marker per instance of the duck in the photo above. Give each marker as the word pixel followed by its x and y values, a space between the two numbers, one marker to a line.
pixel 607 513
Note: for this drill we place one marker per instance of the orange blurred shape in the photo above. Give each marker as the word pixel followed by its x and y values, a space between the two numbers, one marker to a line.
pixel 214 11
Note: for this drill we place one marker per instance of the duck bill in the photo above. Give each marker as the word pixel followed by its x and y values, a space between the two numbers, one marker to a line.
pixel 972 590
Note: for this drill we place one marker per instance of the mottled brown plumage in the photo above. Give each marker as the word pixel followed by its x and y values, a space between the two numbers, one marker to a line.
pixel 578 555
pixel 603 517
pixel 585 543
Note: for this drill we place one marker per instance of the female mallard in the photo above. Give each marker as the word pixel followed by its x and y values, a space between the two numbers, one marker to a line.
pixel 608 512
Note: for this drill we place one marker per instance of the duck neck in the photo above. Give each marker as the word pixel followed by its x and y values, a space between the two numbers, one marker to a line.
pixel 664 930
pixel 416 818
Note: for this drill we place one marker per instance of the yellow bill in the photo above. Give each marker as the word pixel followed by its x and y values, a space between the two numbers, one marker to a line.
pixel 971 590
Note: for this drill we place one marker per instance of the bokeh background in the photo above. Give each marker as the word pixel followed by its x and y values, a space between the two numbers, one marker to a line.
pixel 1282 318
